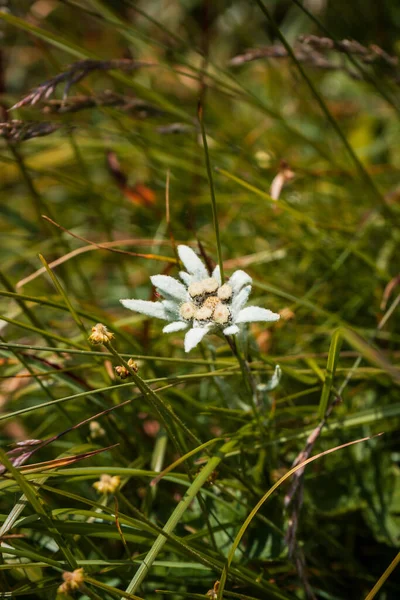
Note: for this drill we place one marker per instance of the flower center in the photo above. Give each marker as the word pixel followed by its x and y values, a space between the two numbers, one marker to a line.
pixel 207 302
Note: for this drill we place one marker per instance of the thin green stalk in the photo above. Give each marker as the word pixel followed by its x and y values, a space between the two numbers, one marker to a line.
pixel 42 332
pixel 39 507
pixel 62 293
pixel 211 183
pixel 20 357
pixel 250 517
pixel 159 405
pixel 178 513
pixel 22 304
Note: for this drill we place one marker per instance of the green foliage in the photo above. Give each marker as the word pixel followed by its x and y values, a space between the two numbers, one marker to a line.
pixel 300 146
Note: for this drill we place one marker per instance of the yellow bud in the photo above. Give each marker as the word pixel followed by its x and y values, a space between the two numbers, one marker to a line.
pixel 100 335
pixel 107 484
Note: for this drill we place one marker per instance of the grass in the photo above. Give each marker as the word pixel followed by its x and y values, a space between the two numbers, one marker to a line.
pixel 228 487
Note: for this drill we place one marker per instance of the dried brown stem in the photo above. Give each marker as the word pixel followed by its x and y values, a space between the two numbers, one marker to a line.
pixel 19 131
pixel 76 73
pixel 312 50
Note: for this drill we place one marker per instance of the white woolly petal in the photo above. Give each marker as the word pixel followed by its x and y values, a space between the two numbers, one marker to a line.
pixel 151 309
pixel 192 262
pixel 273 382
pixel 175 326
pixel 217 274
pixel 186 278
pixel 169 287
pixel 194 337
pixel 171 309
pixel 240 300
pixel 255 313
pixel 238 280
pixel 231 330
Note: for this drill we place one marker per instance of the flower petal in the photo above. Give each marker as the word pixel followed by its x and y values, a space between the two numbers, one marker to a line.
pixel 186 278
pixel 231 330
pixel 273 382
pixel 238 280
pixel 192 262
pixel 169 287
pixel 240 300
pixel 194 337
pixel 171 309
pixel 217 274
pixel 255 313
pixel 175 326
pixel 151 309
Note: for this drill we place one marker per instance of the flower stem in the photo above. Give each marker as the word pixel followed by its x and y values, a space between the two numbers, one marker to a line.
pixel 211 182
pixel 248 378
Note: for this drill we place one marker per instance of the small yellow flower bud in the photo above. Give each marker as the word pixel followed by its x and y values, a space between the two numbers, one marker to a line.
pixel 107 484
pixel 196 289
pixel 187 311
pixel 100 335
pixel 96 430
pixel 210 285
pixel 122 372
pixel 221 314
pixel 133 365
pixel 73 580
pixel 225 292
pixel 287 314
pixel 213 594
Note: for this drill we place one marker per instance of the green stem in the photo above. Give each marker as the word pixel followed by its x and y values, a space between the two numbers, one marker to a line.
pixel 176 516
pixel 211 182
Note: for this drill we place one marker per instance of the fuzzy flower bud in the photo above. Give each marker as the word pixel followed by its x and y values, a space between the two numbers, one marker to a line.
pixel 96 430
pixel 225 292
pixel 73 580
pixel 187 311
pixel 210 285
pixel 107 484
pixel 122 372
pixel 100 335
pixel 133 365
pixel 203 313
pixel 221 314
pixel 196 289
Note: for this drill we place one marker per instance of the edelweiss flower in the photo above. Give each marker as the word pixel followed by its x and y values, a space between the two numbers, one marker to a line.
pixel 201 302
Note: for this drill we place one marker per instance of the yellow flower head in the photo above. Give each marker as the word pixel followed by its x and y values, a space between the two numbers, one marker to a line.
pixel 107 484
pixel 100 334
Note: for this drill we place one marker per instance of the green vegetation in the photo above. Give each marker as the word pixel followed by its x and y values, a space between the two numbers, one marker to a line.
pixel 264 135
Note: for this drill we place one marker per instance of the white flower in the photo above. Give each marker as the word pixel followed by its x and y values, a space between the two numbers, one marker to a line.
pixel 201 303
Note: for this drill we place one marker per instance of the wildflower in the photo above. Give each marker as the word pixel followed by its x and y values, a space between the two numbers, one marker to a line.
pixel 133 365
pixel 123 372
pixel 201 303
pixel 107 484
pixel 213 594
pixel 287 314
pixel 73 580
pixel 96 430
pixel 100 335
